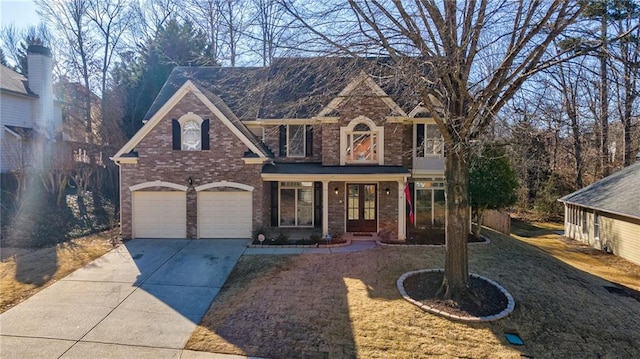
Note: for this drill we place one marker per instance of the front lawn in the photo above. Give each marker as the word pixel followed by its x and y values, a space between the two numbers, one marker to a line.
pixel 347 306
pixel 24 272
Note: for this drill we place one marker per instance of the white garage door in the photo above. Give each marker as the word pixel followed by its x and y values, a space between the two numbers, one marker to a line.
pixel 159 214
pixel 224 214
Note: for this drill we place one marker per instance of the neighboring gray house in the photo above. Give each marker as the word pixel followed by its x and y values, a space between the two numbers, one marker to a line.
pixel 29 117
pixel 606 214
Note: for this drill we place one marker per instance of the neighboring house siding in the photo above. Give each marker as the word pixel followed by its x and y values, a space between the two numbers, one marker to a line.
pixel 158 161
pixel 621 235
pixel 617 234
pixel 16 111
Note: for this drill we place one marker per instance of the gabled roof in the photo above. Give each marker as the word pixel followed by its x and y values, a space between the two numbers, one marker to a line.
pixel 290 87
pixel 13 82
pixel 238 87
pixel 217 107
pixel 618 194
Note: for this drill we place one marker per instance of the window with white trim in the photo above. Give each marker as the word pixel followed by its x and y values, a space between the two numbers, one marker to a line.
pixel 596 225
pixel 362 142
pixel 190 133
pixel 191 136
pixel 296 204
pixel 429 141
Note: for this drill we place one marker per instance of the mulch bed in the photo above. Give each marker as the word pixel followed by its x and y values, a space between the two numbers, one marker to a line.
pixel 489 299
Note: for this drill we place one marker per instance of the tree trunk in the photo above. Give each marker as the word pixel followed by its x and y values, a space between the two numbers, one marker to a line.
pixel 604 103
pixel 456 267
pixel 479 213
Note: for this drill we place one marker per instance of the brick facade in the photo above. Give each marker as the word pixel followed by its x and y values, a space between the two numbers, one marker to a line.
pixel 224 162
pixel 158 161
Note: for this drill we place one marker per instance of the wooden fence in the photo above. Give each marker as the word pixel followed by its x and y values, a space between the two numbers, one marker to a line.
pixel 497 220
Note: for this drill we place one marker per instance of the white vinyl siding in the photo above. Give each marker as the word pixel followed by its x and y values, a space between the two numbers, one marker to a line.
pixel 17 111
pixel 158 214
pixel 225 214
pixel 621 237
pixel 617 234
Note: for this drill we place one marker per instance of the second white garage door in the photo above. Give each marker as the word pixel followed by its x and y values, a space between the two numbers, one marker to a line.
pixel 159 214
pixel 224 214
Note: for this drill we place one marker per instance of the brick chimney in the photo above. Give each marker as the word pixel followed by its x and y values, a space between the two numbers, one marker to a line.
pixel 40 76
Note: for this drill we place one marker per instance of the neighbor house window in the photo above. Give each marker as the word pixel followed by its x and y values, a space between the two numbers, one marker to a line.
pixel 585 229
pixel 296 204
pixel 361 142
pixel 572 215
pixel 596 226
pixel 428 140
pixel 190 133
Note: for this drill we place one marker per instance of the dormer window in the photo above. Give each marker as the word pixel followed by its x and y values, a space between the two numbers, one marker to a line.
pixel 362 142
pixel 191 136
pixel 190 133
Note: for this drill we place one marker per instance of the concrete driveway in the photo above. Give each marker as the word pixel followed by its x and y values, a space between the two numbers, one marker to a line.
pixel 141 300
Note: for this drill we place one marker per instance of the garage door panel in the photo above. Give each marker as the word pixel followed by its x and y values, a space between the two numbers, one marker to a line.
pixel 159 214
pixel 224 214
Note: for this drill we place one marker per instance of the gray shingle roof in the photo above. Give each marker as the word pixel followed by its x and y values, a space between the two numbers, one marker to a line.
pixel 14 82
pixel 319 169
pixel 619 193
pixel 290 87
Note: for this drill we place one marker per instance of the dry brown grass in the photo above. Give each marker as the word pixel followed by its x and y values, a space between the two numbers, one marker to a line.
pixel 25 272
pixel 347 306
pixel 579 255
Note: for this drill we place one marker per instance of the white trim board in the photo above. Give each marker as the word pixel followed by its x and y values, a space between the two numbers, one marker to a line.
pixel 187 87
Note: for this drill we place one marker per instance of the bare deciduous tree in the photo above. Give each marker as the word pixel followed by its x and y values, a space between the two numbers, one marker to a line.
pixel 452 45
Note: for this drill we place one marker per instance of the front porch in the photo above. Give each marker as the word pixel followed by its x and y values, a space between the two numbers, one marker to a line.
pixel 355 202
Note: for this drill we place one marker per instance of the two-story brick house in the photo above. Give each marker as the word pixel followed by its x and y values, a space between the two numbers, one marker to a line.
pixel 325 143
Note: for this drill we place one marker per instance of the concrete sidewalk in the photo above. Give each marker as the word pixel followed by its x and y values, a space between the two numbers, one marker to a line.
pixel 353 247
pixel 141 300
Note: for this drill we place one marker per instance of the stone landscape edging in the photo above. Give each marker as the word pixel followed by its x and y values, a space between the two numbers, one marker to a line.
pixel 486 241
pixel 511 304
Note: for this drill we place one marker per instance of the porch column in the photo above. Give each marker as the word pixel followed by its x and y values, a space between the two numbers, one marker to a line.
pixel 402 212
pixel 325 208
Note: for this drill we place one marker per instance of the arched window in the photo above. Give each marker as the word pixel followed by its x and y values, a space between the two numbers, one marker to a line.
pixel 190 133
pixel 191 136
pixel 362 142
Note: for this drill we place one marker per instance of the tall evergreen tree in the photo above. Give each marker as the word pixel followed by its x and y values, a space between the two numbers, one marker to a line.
pixel 141 76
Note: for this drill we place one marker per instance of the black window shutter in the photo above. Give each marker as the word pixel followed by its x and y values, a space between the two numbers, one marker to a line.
pixel 175 128
pixel 204 131
pixel 283 141
pixel 274 204
pixel 309 140
pixel 420 139
pixel 317 204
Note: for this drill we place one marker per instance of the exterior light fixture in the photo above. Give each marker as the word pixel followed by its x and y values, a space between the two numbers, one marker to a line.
pixel 190 181
pixel 335 190
pixel 387 191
